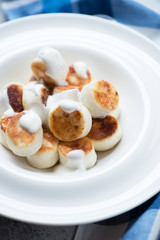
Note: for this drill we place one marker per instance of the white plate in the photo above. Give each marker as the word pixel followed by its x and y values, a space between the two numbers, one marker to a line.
pixel 123 178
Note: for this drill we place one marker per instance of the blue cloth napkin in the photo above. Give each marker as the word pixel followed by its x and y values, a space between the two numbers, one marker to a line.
pixel 141 223
pixel 146 224
pixel 124 11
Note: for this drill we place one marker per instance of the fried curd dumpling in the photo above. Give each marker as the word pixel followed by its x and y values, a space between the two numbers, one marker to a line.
pixel 50 66
pixel 34 93
pixel 78 74
pixel 47 156
pixel 78 154
pixel 69 120
pixel 35 98
pixel 24 133
pixel 100 97
pixel 105 133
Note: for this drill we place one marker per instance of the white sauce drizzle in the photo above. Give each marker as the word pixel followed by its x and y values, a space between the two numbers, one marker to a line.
pixel 69 106
pixel 75 160
pixel 30 121
pixel 80 69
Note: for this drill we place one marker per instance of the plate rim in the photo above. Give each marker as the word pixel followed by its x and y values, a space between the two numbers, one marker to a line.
pixel 87 17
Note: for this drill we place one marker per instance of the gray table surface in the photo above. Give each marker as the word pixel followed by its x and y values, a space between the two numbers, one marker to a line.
pixel 15 230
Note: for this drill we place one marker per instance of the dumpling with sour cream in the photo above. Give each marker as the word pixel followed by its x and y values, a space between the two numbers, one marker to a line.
pixel 50 66
pixel 24 133
pixel 78 154
pixel 69 120
pixel 35 98
pixel 34 93
pixel 78 75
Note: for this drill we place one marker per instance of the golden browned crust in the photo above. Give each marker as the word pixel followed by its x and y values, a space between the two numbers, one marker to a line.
pixel 103 128
pixel 65 126
pixel 44 95
pixel 49 142
pixel 65 88
pixel 39 71
pixel 84 144
pixel 106 95
pixel 4 122
pixel 74 80
pixel 15 93
pixel 20 137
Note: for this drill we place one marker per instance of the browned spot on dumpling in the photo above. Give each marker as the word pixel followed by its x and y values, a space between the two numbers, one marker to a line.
pixel 20 137
pixel 4 122
pixel 66 126
pixel 15 93
pixel 103 128
pixel 106 95
pixel 38 69
pixel 84 144
pixel 74 80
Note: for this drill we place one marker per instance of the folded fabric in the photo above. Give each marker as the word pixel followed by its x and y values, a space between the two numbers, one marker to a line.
pixel 147 226
pixel 125 11
pixel 141 223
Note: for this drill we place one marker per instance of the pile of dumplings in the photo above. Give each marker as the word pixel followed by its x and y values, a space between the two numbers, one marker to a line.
pixel 61 116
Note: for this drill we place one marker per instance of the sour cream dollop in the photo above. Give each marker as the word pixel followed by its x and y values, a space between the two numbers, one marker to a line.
pixel 80 69
pixel 30 121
